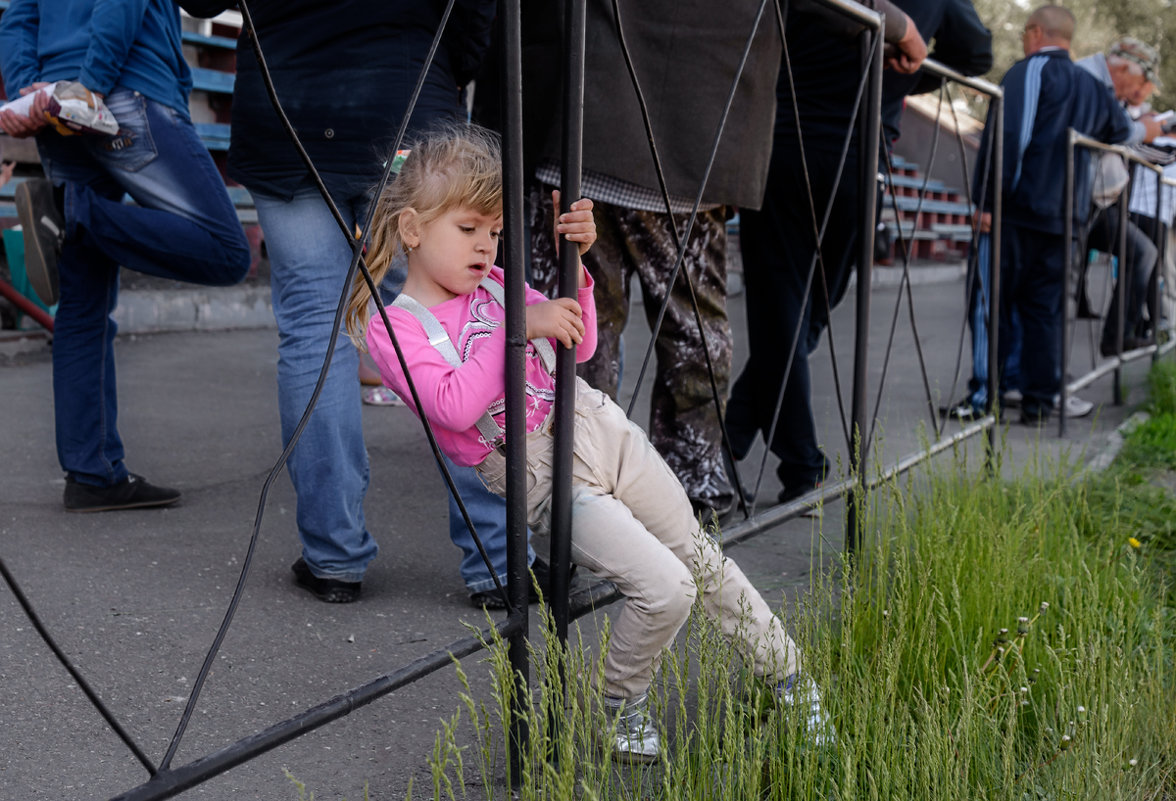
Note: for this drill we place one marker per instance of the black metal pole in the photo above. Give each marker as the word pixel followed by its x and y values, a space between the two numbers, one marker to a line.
pixel 173 781
pixel 869 122
pixel 996 136
pixel 1153 284
pixel 1067 265
pixel 518 580
pixel 1125 281
pixel 569 262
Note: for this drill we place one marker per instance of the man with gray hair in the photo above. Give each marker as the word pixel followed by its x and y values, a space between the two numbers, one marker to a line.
pixel 1129 68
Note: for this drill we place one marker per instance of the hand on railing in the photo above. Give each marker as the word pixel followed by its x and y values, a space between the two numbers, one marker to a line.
pixel 907 54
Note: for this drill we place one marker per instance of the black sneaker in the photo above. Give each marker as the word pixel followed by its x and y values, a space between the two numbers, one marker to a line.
pixel 793 491
pixel 1038 417
pixel 332 591
pixel 44 231
pixel 1107 348
pixel 712 509
pixel 133 493
pixel 964 410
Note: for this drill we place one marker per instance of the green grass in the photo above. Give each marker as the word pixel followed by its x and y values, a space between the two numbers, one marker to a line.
pixel 993 640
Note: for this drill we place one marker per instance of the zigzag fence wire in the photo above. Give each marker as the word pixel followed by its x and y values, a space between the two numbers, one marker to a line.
pixel 166 781
pixel 1113 364
pixel 860 432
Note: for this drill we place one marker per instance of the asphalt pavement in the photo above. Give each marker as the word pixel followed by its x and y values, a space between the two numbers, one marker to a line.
pixel 134 598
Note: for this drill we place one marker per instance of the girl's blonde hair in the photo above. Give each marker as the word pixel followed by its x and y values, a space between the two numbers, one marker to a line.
pixel 448 167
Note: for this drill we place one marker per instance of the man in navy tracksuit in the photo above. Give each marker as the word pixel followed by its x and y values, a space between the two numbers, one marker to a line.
pixel 1045 95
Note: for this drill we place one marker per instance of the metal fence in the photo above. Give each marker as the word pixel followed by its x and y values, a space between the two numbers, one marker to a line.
pixel 166 781
pixel 1114 363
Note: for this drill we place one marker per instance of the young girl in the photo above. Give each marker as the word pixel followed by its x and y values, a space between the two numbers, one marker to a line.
pixel 631 520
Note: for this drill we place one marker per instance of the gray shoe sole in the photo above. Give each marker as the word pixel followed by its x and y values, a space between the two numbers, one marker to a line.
pixel 34 207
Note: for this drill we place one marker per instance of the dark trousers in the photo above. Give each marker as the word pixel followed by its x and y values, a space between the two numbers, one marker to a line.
pixel 1031 273
pixel 778 245
pixel 1137 271
pixel 683 423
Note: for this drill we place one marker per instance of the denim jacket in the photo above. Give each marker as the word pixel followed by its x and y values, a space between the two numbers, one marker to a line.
pixel 104 44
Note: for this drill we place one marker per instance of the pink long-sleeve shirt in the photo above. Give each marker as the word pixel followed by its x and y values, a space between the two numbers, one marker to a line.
pixel 453 399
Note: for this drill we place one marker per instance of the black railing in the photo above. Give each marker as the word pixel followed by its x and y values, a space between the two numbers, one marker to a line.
pixel 1113 364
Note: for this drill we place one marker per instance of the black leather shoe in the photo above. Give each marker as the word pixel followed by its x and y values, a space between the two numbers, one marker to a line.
pixel 134 492
pixel 332 591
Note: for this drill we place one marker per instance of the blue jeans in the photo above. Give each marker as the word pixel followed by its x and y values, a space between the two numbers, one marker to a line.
pixel 978 320
pixel 183 227
pixel 488 513
pixel 309 256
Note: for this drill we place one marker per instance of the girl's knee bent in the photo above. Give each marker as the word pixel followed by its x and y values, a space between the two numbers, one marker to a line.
pixel 673 594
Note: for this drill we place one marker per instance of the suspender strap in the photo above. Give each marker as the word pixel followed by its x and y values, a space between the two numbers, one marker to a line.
pixel 487 427
pixel 542 345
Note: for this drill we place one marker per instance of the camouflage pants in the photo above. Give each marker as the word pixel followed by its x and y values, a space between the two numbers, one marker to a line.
pixel 683 424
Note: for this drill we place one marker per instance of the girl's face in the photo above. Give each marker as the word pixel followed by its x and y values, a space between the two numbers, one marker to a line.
pixel 451 254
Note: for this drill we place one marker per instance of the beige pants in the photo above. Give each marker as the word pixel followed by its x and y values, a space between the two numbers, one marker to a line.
pixel 633 525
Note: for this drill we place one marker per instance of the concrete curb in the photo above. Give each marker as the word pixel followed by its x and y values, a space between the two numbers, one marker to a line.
pixel 198 309
pixel 1115 440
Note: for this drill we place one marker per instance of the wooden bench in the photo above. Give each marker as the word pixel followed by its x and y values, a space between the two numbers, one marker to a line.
pixel 212 81
pixel 201 40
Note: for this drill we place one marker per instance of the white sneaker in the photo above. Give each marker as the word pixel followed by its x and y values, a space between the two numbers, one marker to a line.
pixel 1011 399
pixel 1077 407
pixel 634 736
pixel 800 690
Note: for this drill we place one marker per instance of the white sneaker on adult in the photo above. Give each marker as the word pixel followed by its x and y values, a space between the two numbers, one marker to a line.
pixel 1077 407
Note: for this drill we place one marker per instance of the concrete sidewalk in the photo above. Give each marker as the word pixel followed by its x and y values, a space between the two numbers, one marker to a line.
pixel 134 598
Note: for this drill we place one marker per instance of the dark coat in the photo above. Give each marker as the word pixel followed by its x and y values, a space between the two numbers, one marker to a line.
pixel 685 55
pixel 827 68
pixel 962 42
pixel 344 72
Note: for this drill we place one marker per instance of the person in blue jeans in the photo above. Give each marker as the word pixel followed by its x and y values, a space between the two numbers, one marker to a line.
pixel 975 404
pixel 77 228
pixel 343 72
